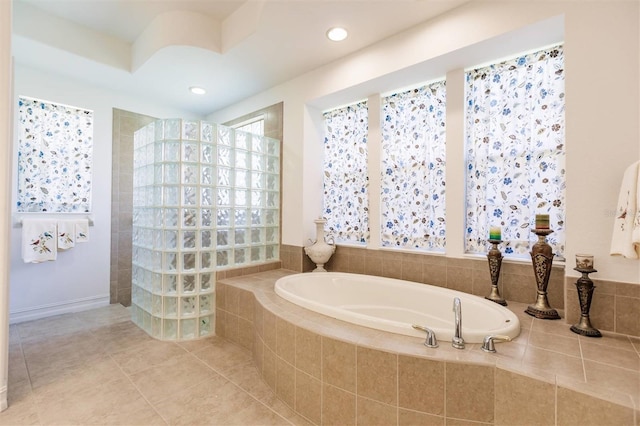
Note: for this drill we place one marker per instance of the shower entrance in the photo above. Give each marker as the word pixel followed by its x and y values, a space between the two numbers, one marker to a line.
pixel 205 198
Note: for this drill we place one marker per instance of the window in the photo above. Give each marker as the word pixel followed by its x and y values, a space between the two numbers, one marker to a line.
pixel 413 168
pixel 346 202
pixel 55 145
pixel 515 151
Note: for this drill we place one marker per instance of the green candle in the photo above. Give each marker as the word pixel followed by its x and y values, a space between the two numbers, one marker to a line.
pixel 542 221
pixel 495 233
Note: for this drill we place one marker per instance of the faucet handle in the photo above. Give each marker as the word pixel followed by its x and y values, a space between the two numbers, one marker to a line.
pixel 488 342
pixel 431 341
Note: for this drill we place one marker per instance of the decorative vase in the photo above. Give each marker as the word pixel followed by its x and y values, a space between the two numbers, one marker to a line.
pixel 321 250
pixel 542 259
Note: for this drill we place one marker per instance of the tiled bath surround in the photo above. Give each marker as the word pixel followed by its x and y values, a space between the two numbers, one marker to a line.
pixel 332 372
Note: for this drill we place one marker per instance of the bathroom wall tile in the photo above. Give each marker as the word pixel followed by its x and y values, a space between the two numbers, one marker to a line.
pixel 245 333
pixel 269 367
pixel 258 321
pixel 221 323
pixel 339 262
pixel 581 409
pixel 221 293
pixel 269 320
pixel 469 392
pixel 411 418
pixel 338 406
pixel 356 264
pixel 412 270
pixel 392 265
pixel 627 289
pixel 414 376
pixel 462 422
pixel 610 377
pixel 258 353
pixel 286 340
pixel 481 282
pixel 369 412
pixel 555 288
pixel 459 279
pixel 519 288
pixel 522 400
pixel 434 274
pixel 285 382
pixel 627 318
pixel 339 364
pixel 373 266
pixel 606 355
pixel 308 352
pixel 308 396
pixel 307 264
pixel 246 302
pixel 377 375
pixel 232 297
pixel 124 296
pixel 231 328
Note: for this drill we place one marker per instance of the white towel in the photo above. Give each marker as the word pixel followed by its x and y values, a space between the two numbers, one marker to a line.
pixel 625 240
pixel 82 230
pixel 39 242
pixel 66 234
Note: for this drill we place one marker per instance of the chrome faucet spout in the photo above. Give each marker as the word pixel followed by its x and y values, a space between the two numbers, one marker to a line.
pixel 457 341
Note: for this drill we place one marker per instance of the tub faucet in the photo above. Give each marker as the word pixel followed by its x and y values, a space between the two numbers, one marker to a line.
pixel 457 341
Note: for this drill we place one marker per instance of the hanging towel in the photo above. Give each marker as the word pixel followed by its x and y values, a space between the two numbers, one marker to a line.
pixel 625 240
pixel 66 234
pixel 39 242
pixel 82 230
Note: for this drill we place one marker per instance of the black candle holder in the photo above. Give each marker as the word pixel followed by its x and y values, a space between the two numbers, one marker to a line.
pixel 494 256
pixel 585 288
pixel 542 260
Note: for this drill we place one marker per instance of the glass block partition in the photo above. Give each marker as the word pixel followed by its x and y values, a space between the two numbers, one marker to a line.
pixel 205 198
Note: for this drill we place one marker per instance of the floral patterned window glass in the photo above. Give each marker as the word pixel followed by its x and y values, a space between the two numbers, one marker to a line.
pixel 515 157
pixel 346 203
pixel 55 146
pixel 413 168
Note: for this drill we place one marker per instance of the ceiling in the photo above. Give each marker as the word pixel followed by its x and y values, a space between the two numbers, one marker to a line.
pixel 157 49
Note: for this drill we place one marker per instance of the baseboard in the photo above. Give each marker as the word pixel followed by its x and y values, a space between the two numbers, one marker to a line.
pixel 48 310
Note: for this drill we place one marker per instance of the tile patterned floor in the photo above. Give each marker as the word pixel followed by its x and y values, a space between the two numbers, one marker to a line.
pixel 96 368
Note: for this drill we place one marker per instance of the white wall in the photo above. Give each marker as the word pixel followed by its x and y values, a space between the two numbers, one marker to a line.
pixel 79 278
pixel 602 45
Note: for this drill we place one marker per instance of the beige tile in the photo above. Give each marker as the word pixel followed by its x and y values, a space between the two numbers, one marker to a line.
pixel 339 364
pixel 221 293
pixel 308 397
pixel 247 378
pixel 246 302
pixel 22 407
pixel 338 406
pixel 434 274
pixel 245 333
pixel 607 355
pixel 414 374
pixel 216 401
pixel 47 328
pixel 565 344
pixel 120 336
pixel 269 321
pixel 113 402
pixel 269 370
pixel 469 392
pixel 232 299
pixel 146 355
pixel 285 382
pixel 308 352
pixel 462 422
pixel 554 362
pixel 369 412
pixel 377 375
pixel 520 400
pixel 460 279
pixel 412 270
pixel 164 380
pixel 609 377
pixel 222 355
pixel 627 318
pixel 411 418
pixel 286 340
pixel 575 408
pixel 231 325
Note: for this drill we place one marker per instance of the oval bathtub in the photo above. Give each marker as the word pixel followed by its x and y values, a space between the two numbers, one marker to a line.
pixel 394 305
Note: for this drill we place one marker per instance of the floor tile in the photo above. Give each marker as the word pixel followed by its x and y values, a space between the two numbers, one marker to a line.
pixel 146 355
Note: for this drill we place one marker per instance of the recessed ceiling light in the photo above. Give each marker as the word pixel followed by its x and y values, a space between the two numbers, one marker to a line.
pixel 337 34
pixel 197 90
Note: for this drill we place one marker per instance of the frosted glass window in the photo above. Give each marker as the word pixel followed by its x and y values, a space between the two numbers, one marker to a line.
pixel 346 202
pixel 55 157
pixel 413 168
pixel 515 151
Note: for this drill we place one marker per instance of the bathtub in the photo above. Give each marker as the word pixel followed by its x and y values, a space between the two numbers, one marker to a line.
pixel 395 305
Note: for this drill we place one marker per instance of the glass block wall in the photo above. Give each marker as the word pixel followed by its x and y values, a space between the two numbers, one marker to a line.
pixel 205 198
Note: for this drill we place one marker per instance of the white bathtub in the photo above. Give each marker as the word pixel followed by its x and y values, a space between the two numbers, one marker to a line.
pixel 394 305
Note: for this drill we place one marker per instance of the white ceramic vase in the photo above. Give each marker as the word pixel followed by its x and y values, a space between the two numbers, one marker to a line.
pixel 321 250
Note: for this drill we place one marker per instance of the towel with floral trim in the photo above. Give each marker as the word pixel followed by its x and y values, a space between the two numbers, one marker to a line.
pixel 39 240
pixel 625 240
pixel 66 234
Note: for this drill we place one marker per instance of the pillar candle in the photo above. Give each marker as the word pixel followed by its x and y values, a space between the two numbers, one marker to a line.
pixel 584 261
pixel 495 233
pixel 542 221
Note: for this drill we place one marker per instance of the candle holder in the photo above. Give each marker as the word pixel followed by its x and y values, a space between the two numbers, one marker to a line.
pixel 495 262
pixel 585 288
pixel 542 259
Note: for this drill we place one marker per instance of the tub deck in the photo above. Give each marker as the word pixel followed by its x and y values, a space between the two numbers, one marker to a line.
pixel 547 375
